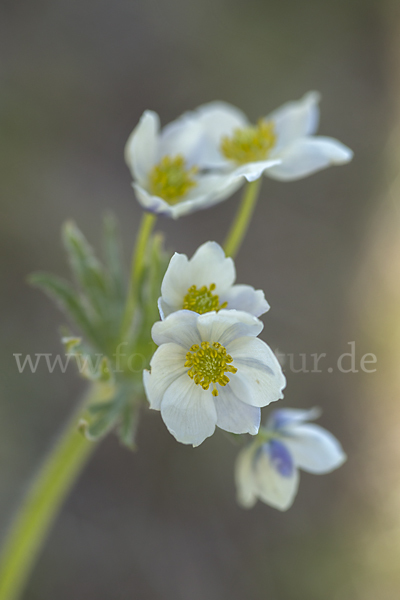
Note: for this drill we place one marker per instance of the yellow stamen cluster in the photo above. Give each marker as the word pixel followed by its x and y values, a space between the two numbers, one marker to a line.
pixel 208 364
pixel 171 179
pixel 249 144
pixel 202 300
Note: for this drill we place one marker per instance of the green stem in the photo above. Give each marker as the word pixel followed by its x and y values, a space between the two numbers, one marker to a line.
pixel 44 499
pixel 146 227
pixel 242 220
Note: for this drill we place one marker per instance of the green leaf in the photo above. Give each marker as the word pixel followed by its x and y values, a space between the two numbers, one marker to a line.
pixel 67 298
pixel 103 417
pixel 114 259
pixel 86 268
pixel 129 423
pixel 95 367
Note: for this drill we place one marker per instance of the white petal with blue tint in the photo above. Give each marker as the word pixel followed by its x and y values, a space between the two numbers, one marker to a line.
pixel 277 480
pixel 285 417
pixel 314 449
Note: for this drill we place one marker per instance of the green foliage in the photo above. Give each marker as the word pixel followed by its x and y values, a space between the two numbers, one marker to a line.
pixel 96 306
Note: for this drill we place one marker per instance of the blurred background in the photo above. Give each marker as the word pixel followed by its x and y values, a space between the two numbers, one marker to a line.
pixel 163 523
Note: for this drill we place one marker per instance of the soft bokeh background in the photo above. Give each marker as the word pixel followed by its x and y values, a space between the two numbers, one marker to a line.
pixel 163 523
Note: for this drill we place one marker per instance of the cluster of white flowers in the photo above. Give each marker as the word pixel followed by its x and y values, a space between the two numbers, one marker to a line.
pixel 210 368
pixel 205 155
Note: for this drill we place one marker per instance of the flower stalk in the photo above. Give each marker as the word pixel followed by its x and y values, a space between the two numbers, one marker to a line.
pixel 242 220
pixel 138 257
pixel 48 491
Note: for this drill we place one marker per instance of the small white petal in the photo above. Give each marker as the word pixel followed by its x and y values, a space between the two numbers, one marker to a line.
pixel 235 416
pixel 296 119
pixel 188 411
pixel 210 265
pixel 259 379
pixel 164 309
pixel 314 449
pixel 245 297
pixel 308 155
pixel 179 328
pixel 181 137
pixel 227 325
pixel 176 281
pixel 253 170
pixel 211 189
pixel 166 366
pixel 244 478
pixel 272 488
pixel 153 204
pixel 141 147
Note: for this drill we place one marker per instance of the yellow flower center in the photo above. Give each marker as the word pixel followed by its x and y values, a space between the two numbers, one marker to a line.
pixel 249 144
pixel 208 364
pixel 171 179
pixel 202 300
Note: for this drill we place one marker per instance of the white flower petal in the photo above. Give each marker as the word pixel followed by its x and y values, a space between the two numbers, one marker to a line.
pixel 181 137
pixel 235 416
pixel 308 155
pixel 141 147
pixel 244 478
pixel 227 325
pixel 211 189
pixel 178 328
pixel 166 366
pixel 246 298
pixel 259 379
pixel 271 487
pixel 253 170
pixel 296 119
pixel 285 417
pixel 314 449
pixel 210 265
pixel 176 281
pixel 188 411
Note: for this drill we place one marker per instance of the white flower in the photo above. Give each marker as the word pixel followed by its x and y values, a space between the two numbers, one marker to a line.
pixel 167 178
pixel 282 144
pixel 205 283
pixel 210 370
pixel 268 468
